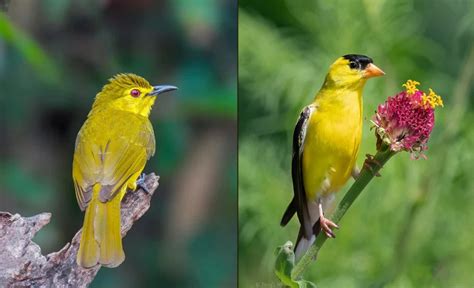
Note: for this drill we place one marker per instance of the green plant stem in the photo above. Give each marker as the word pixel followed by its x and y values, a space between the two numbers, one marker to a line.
pixel 364 178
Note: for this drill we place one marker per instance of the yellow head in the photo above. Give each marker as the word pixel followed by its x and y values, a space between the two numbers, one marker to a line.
pixel 129 92
pixel 351 71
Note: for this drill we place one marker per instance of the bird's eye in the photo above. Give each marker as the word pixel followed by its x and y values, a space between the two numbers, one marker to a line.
pixel 353 65
pixel 135 93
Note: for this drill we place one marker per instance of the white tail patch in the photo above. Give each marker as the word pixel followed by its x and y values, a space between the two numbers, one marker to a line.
pixel 303 246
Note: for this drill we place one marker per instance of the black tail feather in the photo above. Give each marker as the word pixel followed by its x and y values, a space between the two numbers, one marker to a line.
pixel 316 228
pixel 298 239
pixel 290 211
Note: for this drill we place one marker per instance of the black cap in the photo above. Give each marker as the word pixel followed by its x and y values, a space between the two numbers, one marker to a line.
pixel 358 61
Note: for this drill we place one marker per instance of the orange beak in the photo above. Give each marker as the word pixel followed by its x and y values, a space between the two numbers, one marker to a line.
pixel 372 71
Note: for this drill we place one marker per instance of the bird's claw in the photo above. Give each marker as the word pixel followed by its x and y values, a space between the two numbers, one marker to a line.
pixel 369 162
pixel 141 183
pixel 327 225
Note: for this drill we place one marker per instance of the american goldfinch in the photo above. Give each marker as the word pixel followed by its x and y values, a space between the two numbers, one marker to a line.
pixel 326 142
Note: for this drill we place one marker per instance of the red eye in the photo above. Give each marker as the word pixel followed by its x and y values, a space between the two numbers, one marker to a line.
pixel 135 93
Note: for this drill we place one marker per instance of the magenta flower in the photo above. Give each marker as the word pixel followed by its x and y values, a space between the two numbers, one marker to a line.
pixel 405 121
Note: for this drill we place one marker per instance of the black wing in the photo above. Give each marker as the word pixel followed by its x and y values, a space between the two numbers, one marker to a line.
pixel 299 204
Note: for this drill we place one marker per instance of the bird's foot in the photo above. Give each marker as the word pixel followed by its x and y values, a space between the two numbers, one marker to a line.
pixel 141 183
pixel 327 225
pixel 370 162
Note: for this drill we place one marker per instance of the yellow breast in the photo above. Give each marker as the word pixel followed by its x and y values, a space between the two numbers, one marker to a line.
pixel 331 145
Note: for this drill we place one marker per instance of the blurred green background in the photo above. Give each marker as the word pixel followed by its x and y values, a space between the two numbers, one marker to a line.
pixel 413 226
pixel 56 55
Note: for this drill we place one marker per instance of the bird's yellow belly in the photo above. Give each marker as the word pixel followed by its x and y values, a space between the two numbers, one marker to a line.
pixel 330 151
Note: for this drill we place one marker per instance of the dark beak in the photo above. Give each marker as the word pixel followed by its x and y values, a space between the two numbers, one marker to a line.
pixel 162 89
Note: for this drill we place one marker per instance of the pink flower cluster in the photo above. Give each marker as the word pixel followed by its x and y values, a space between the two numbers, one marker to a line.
pixel 405 121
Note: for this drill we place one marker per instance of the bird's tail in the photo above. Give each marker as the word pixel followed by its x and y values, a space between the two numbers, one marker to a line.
pixel 302 244
pixel 289 212
pixel 101 241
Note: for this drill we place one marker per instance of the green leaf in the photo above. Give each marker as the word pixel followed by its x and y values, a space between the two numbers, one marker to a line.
pixel 284 264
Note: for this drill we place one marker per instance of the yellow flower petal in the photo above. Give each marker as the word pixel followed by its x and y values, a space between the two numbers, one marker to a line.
pixel 410 85
pixel 432 99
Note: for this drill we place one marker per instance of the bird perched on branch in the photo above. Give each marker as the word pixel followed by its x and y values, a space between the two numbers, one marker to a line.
pixel 111 151
pixel 326 142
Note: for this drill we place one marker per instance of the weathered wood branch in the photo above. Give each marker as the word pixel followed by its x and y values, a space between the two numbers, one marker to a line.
pixel 23 265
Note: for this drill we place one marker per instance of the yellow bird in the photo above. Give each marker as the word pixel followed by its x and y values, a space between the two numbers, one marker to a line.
pixel 111 151
pixel 326 142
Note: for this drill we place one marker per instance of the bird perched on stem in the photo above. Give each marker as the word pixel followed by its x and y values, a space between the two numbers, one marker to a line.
pixel 111 151
pixel 326 142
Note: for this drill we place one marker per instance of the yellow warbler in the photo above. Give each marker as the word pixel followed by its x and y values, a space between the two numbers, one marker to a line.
pixel 111 151
pixel 326 142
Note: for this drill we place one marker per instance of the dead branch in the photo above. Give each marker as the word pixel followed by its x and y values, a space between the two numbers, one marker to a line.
pixel 23 265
